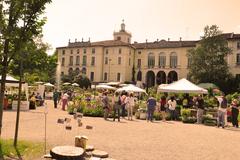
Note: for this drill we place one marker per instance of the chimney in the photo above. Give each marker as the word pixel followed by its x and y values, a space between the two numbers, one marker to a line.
pixel 157 40
pixel 146 40
pixel 232 34
pixel 168 39
pixel 69 40
pixel 135 42
pixel 75 39
pixel 180 39
pixel 82 39
pixel 89 39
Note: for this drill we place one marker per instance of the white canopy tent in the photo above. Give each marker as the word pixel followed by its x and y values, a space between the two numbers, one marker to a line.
pixel 182 86
pixel 49 85
pixel 131 88
pixel 75 85
pixel 102 86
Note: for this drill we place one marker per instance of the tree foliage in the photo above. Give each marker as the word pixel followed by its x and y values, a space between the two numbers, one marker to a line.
pixel 208 59
pixel 20 23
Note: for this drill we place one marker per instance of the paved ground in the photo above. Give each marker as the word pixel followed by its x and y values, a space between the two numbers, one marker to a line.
pixel 130 140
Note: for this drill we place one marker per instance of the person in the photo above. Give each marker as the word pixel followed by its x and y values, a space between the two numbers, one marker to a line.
pixel 116 99
pixel 235 112
pixel 64 101
pixel 131 104
pixel 123 103
pixel 222 110
pixel 163 103
pixel 32 101
pixel 172 106
pixel 39 100
pixel 200 109
pixel 55 98
pixel 5 102
pixel 105 102
pixel 151 104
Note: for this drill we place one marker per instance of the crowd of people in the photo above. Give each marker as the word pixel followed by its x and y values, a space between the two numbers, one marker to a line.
pixel 126 101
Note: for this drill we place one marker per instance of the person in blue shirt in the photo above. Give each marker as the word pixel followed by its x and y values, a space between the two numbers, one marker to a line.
pixel 151 104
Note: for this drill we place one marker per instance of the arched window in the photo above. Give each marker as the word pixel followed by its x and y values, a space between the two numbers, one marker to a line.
pixel 162 60
pixel 77 71
pixel 84 70
pixel 70 71
pixel 151 60
pixel 173 60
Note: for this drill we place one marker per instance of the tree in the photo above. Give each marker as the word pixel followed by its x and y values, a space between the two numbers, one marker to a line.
pixel 37 66
pixel 20 22
pixel 83 81
pixel 208 63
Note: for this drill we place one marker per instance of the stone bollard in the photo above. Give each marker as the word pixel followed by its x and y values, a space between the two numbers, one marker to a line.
pixel 79 122
pixel 89 127
pixel 81 141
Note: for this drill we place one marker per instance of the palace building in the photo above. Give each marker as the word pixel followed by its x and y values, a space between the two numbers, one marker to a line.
pixel 162 61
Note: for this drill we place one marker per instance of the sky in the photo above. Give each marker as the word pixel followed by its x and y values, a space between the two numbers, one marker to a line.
pixel 145 19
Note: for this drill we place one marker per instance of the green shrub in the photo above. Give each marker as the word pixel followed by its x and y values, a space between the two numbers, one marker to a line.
pixel 189 120
pixel 185 113
pixel 157 116
pixel 93 111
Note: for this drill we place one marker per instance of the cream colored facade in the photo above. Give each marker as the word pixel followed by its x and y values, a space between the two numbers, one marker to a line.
pixel 154 62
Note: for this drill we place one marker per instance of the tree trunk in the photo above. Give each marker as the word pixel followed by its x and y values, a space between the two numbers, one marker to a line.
pixel 3 80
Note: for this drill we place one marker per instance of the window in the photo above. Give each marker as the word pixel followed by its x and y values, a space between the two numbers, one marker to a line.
pixel 77 71
pixel 84 70
pixel 106 60
pixel 118 76
pixel 189 62
pixel 106 51
pixel 77 60
pixel 162 60
pixel 105 76
pixel 78 51
pixel 139 52
pixel 93 50
pixel 173 60
pixel 129 61
pixel 128 40
pixel 120 51
pixel 84 50
pixel 84 63
pixel 119 38
pixel 63 52
pixel 63 61
pixel 71 51
pixel 62 73
pixel 238 45
pixel 71 61
pixel 139 63
pixel 151 60
pixel 92 76
pixel 238 59
pixel 119 60
pixel 70 71
pixel 93 61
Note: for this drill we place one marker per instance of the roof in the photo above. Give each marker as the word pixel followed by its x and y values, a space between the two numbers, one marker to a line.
pixel 230 36
pixel 107 43
pixel 165 44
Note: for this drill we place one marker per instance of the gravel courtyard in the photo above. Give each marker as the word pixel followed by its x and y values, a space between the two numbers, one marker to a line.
pixel 130 140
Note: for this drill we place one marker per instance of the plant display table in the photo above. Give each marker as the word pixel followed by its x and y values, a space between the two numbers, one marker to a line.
pixel 24 105
pixel 67 153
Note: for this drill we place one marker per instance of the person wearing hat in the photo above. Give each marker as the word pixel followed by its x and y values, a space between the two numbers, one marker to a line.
pixel 235 112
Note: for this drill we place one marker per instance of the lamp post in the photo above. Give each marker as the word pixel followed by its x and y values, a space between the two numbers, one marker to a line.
pixel 109 70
